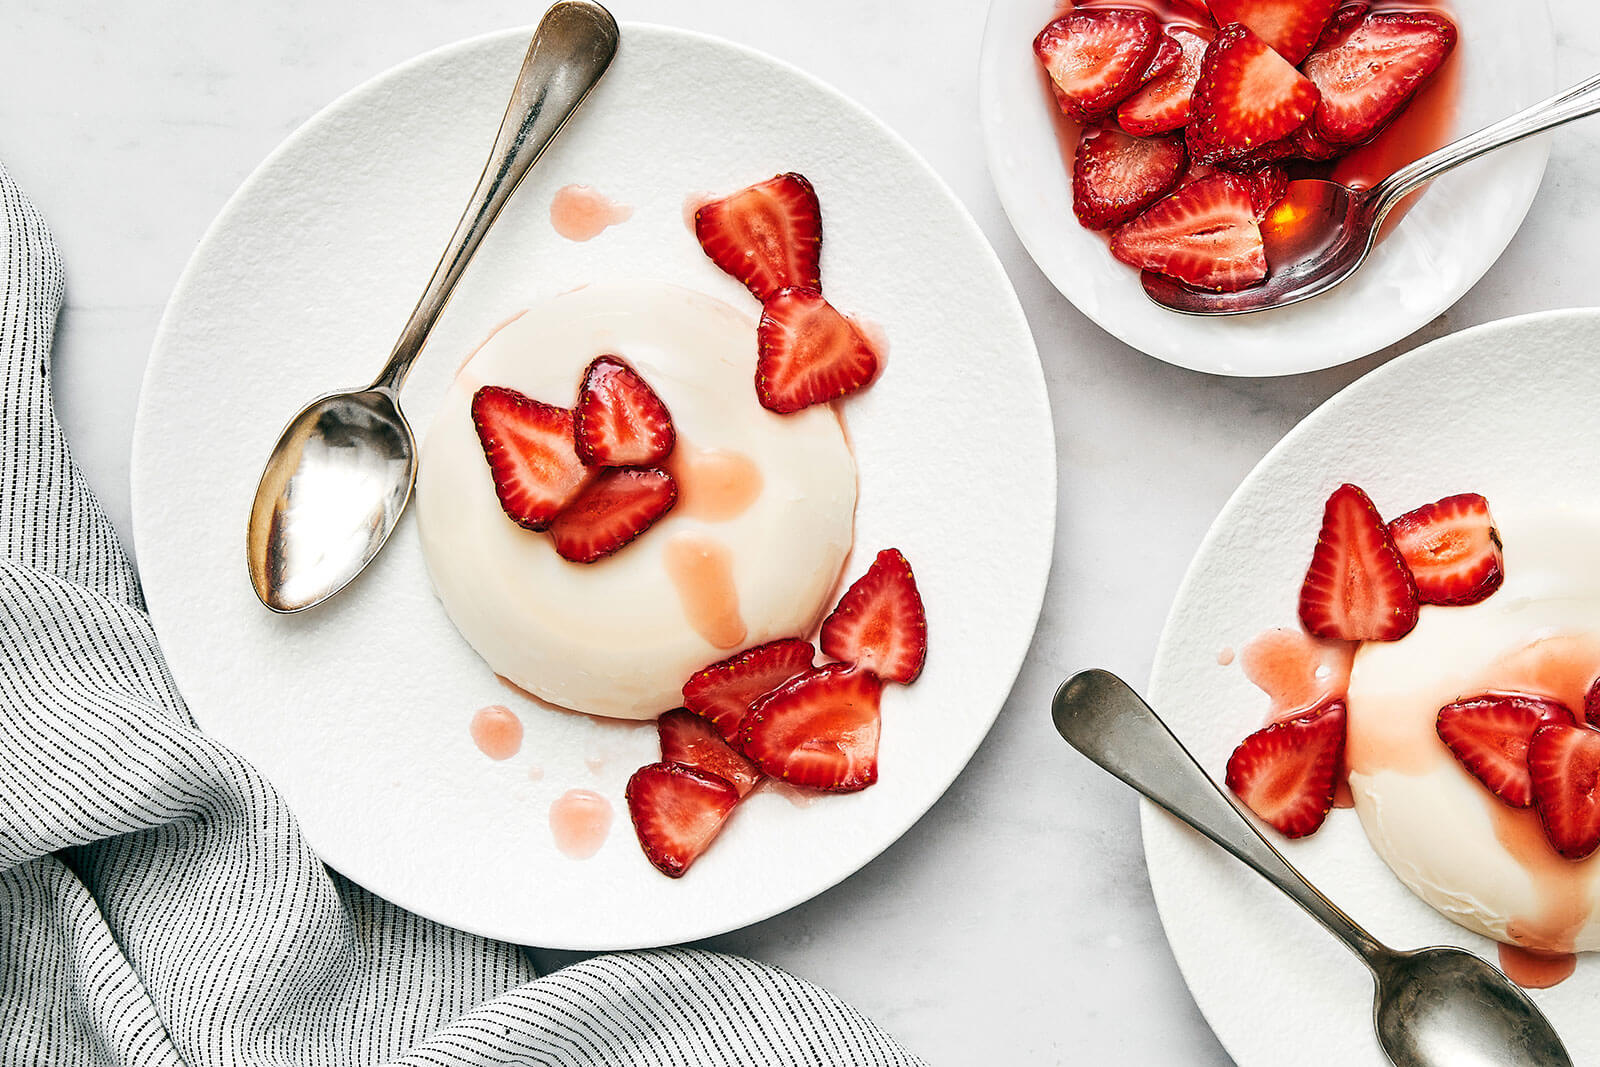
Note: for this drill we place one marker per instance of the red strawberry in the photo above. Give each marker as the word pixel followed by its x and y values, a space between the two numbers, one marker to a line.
pixel 1366 76
pixel 1357 587
pixel 1452 549
pixel 1345 17
pixel 724 691
pixel 1162 103
pixel 1095 57
pixel 618 506
pixel 1490 734
pixel 1591 704
pixel 1167 56
pixel 1246 96
pixel 1286 772
pixel 769 236
pixel 1205 235
pixel 808 353
pixel 818 730
pixel 529 448
pixel 1307 143
pixel 1267 186
pixel 1564 763
pixel 1289 27
pixel 880 624
pixel 619 420
pixel 1115 176
pixel 676 812
pixel 688 739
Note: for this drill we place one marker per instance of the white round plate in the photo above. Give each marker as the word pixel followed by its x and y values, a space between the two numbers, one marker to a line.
pixel 1456 230
pixel 1504 409
pixel 358 710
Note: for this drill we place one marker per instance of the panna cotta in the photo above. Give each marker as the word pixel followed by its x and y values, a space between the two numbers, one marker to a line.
pixel 750 552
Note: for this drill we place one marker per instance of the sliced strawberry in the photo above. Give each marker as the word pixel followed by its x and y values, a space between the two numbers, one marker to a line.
pixel 1452 549
pixel 1289 27
pixel 1307 143
pixel 880 624
pixel 723 692
pixel 1162 103
pixel 1096 57
pixel 529 447
pixel 1369 73
pixel 1204 234
pixel 618 506
pixel 1490 734
pixel 1115 176
pixel 1267 186
pixel 818 730
pixel 1345 17
pixel 769 236
pixel 1564 763
pixel 1167 56
pixel 1246 96
pixel 688 739
pixel 808 353
pixel 1286 772
pixel 1591 704
pixel 677 811
pixel 1357 587
pixel 619 420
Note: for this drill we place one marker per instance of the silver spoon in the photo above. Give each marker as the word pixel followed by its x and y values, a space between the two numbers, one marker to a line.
pixel 1435 1007
pixel 342 471
pixel 1321 231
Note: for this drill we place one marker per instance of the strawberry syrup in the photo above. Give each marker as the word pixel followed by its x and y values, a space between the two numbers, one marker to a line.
pixel 1536 970
pixel 580 820
pixel 701 568
pixel 1295 670
pixel 580 213
pixel 714 484
pixel 496 731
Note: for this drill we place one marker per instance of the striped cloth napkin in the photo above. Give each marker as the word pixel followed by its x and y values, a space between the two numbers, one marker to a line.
pixel 157 904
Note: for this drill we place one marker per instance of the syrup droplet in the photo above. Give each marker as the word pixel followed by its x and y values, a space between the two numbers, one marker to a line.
pixel 579 213
pixel 496 731
pixel 580 819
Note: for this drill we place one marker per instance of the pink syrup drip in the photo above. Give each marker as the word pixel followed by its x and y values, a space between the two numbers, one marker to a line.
pixel 579 213
pixel 580 820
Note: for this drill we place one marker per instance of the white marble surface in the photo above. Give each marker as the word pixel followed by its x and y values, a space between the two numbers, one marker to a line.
pixel 1014 923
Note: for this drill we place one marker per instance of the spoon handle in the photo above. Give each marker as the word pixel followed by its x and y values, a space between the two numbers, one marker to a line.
pixel 1103 718
pixel 572 47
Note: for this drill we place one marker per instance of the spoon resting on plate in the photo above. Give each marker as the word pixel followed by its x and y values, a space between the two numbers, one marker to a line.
pixel 1320 231
pixel 1434 1007
pixel 342 470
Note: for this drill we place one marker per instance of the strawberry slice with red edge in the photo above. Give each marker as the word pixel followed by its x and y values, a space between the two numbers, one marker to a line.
pixel 611 511
pixel 1205 235
pixel 1591 704
pixel 1358 587
pixel 1096 57
pixel 1286 772
pixel 619 421
pixel 1115 176
pixel 808 353
pixel 1452 549
pixel 531 456
pixel 879 623
pixel 1162 103
pixel 677 811
pixel 1564 764
pixel 768 236
pixel 1167 55
pixel 723 692
pixel 1489 735
pixel 819 730
pixel 1289 27
pixel 688 739
pixel 1247 96
pixel 1267 186
pixel 1368 74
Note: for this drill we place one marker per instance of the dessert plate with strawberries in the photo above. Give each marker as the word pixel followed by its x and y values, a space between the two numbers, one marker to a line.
pixel 1398 610
pixel 676 474
pixel 1160 136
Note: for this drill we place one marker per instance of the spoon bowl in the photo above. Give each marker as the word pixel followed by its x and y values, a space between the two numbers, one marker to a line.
pixel 1447 1006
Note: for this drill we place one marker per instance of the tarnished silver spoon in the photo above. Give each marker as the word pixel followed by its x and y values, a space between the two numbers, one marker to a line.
pixel 341 472
pixel 1434 1007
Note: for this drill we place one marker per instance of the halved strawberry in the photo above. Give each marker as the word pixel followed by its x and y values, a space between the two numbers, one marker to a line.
pixel 619 420
pixel 688 739
pixel 612 510
pixel 1357 587
pixel 880 623
pixel 1289 27
pixel 769 236
pixel 1247 96
pixel 1286 772
pixel 1096 57
pixel 1489 734
pixel 723 692
pixel 808 353
pixel 1369 73
pixel 676 812
pixel 1564 763
pixel 1115 176
pixel 1452 549
pixel 1162 103
pixel 529 447
pixel 818 730
pixel 1204 234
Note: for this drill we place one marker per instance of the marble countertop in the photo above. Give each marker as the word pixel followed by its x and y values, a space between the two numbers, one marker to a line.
pixel 1014 923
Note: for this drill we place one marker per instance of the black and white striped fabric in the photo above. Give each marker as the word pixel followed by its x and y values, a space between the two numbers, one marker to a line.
pixel 157 904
